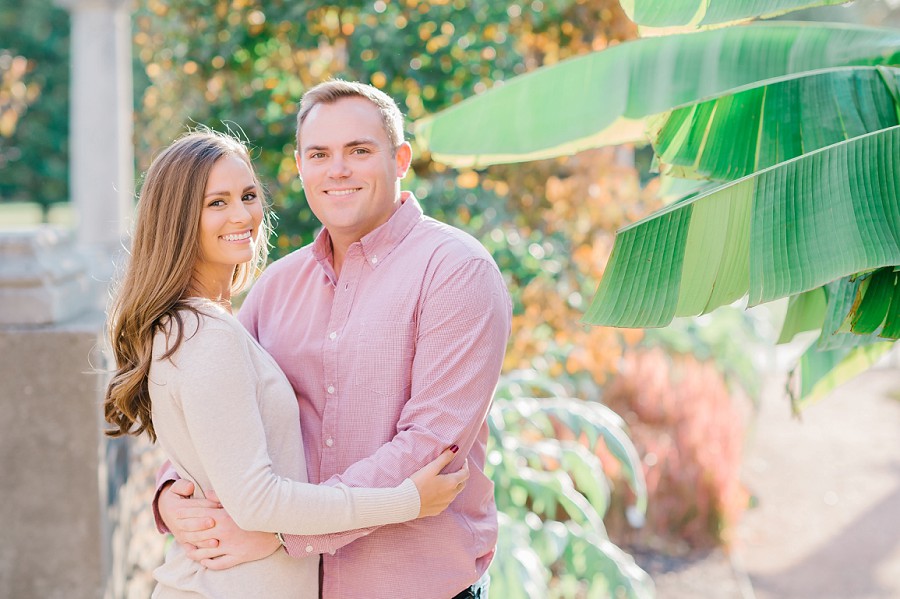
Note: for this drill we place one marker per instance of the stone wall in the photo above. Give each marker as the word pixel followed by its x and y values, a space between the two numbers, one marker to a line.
pixel 51 512
pixel 137 548
pixel 75 523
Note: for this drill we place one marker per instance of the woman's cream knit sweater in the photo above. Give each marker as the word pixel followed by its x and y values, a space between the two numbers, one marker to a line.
pixel 227 417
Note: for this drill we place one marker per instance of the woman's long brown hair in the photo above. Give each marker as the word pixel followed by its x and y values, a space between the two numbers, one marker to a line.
pixel 155 287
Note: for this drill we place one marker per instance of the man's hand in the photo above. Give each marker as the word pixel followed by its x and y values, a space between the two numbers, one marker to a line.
pixel 207 533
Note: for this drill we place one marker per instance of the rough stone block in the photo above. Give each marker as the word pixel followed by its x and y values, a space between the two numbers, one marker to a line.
pixel 43 278
pixel 53 503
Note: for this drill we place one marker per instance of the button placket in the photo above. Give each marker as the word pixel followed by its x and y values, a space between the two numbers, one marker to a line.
pixel 344 292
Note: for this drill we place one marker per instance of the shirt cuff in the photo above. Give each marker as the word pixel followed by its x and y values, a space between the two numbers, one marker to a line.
pixel 165 475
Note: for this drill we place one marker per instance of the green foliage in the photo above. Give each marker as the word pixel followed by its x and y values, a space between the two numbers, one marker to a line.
pixel 856 317
pixel 805 312
pixel 34 90
pixel 743 131
pixel 820 371
pixel 805 151
pixel 698 13
pixel 711 250
pixel 245 63
pixel 606 97
pixel 544 456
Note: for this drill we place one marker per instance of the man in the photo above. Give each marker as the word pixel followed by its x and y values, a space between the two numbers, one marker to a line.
pixel 391 327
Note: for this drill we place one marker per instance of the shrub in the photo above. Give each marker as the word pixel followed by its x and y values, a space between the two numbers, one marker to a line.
pixel 689 430
pixel 552 494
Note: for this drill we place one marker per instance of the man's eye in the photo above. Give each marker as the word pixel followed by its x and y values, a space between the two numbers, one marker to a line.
pixel 360 150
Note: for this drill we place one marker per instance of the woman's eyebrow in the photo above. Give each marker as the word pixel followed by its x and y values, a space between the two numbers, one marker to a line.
pixel 226 192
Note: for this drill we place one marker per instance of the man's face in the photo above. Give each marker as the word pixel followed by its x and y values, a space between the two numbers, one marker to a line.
pixel 350 175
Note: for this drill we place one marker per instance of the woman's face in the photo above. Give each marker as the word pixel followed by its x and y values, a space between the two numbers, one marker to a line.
pixel 229 220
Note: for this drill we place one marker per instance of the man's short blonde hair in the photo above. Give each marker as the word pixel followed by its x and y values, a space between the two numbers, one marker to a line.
pixel 329 92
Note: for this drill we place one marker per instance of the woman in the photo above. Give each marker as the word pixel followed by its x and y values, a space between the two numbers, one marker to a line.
pixel 191 376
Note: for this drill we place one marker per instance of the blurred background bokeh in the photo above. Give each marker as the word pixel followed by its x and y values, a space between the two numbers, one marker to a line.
pixel 607 444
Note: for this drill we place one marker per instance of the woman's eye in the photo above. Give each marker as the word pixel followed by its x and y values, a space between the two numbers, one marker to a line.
pixel 249 197
pixel 216 203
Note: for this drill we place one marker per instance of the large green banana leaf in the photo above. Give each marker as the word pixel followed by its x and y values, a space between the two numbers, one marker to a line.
pixel 697 13
pixel 784 230
pixel 870 304
pixel 805 312
pixel 750 129
pixel 758 126
pixel 836 356
pixel 848 312
pixel 819 371
pixel 842 300
pixel 603 98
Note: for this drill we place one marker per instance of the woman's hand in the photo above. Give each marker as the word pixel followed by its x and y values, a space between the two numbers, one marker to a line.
pixel 436 490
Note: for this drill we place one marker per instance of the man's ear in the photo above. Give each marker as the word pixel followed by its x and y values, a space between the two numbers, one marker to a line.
pixel 404 159
pixel 297 162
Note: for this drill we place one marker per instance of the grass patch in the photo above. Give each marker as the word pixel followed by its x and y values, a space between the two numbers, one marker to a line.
pixel 28 214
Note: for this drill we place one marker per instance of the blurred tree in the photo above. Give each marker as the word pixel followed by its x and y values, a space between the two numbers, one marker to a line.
pixel 34 90
pixel 244 64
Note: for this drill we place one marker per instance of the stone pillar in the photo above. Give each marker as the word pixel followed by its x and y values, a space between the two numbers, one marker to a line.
pixel 42 278
pixel 55 532
pixel 61 476
pixel 101 156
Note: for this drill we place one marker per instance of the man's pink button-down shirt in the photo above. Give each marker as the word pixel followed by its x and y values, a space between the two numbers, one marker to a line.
pixel 392 362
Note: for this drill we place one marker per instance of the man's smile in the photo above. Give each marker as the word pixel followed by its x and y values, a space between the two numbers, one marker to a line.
pixel 342 192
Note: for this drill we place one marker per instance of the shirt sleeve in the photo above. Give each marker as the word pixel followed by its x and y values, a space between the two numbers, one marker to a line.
pixel 248 314
pixel 165 474
pixel 218 397
pixel 464 325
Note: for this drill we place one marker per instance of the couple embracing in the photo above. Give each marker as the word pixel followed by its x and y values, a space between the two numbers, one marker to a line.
pixel 328 440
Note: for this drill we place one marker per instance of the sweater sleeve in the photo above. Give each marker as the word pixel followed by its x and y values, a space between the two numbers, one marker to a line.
pixel 217 390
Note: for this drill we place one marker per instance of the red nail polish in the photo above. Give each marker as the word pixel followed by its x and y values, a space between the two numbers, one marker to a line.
pixel 454 448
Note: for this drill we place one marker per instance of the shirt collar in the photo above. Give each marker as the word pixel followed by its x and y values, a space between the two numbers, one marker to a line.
pixel 379 243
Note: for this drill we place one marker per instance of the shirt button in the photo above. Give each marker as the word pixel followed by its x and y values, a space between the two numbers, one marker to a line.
pixel 333 335
pixel 329 441
pixel 374 259
pixel 330 389
pixel 309 548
